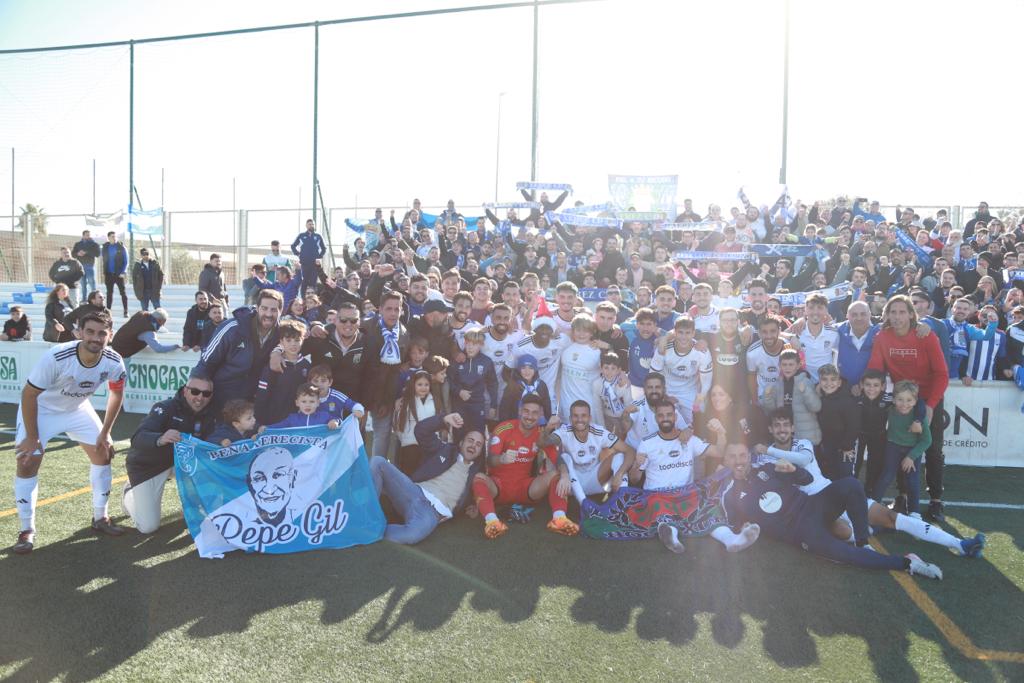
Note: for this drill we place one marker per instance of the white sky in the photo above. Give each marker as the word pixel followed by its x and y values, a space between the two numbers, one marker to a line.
pixel 912 102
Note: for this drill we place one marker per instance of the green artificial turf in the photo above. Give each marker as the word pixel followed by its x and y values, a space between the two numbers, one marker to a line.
pixel 529 606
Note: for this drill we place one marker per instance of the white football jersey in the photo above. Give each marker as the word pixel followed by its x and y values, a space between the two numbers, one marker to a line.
pixel 584 454
pixel 644 423
pixel 581 365
pixel 548 358
pixel 669 463
pixel 707 323
pixel 683 372
pixel 501 352
pixel 805 448
pixel 820 350
pixel 66 383
pixel 765 365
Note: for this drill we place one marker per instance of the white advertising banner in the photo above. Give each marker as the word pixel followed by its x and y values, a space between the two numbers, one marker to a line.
pixel 984 424
pixel 152 376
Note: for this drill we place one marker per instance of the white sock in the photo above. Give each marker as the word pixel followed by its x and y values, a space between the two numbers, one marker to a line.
pixel 558 513
pixel 736 542
pixel 26 493
pixel 924 531
pixel 100 476
pixel 490 517
pixel 574 482
pixel 617 460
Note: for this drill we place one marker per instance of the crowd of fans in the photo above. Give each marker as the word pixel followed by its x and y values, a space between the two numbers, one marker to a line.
pixel 484 341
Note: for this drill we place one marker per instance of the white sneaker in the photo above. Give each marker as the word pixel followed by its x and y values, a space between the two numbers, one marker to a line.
pixel 919 566
pixel 749 535
pixel 669 536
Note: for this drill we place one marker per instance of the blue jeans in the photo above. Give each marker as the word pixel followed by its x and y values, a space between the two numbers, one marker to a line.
pixel 381 433
pixel 88 280
pixel 149 297
pixel 420 517
pixel 909 483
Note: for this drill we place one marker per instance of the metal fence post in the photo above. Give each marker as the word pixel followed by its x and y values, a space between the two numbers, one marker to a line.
pixel 957 214
pixel 29 265
pixel 243 244
pixel 166 251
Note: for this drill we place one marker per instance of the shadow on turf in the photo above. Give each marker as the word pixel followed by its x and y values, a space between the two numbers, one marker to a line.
pixel 83 605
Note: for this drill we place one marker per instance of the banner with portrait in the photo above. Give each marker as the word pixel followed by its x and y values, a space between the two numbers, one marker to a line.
pixel 644 192
pixel 284 491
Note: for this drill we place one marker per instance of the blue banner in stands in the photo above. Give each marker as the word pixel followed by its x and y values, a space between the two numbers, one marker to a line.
pixel 780 250
pixel 923 259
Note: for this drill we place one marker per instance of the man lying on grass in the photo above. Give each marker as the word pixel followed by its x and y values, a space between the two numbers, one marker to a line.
pixel 769 495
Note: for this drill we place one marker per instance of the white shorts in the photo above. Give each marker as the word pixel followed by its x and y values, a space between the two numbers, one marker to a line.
pixel 589 481
pixel 82 425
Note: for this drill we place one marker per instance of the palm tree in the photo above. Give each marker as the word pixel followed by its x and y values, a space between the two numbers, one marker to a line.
pixel 38 215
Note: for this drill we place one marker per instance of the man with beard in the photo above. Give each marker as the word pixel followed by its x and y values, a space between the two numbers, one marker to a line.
pixel 55 400
pixel 386 340
pixel 757 293
pixel 439 489
pixel 666 458
pixel 961 333
pixel 638 419
pixel 432 326
pixel 150 460
pixel 547 349
pixel 517 447
pixel 763 358
pixel 769 495
pixel 729 356
pixel 500 343
pixel 593 460
pixel 241 348
pixel 981 216
pixel 459 324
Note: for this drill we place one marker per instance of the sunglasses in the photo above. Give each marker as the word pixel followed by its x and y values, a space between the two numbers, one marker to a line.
pixel 348 320
pixel 196 392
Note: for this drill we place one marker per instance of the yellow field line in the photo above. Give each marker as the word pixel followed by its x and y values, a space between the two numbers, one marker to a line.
pixel 950 631
pixel 63 496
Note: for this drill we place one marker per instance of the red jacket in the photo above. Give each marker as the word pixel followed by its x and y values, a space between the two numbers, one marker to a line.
pixel 913 358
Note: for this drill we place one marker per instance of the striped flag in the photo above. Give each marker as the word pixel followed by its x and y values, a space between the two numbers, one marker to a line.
pixel 146 222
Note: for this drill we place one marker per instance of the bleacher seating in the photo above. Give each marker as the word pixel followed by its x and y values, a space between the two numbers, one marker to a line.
pixel 175 299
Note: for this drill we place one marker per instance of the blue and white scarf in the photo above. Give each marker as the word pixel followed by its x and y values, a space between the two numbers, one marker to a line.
pixel 711 256
pixel 560 187
pixel 611 397
pixel 390 354
pixel 512 205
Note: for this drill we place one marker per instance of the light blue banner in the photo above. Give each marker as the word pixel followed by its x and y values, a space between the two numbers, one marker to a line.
pixel 285 491
pixel 781 250
pixel 146 222
pixel 644 192
pixel 585 221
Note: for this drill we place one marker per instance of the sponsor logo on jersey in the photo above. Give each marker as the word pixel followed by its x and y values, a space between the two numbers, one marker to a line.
pixel 87 384
pixel 770 502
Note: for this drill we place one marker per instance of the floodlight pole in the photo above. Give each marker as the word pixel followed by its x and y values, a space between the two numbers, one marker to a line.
pixel 316 94
pixel 536 117
pixel 785 101
pixel 131 145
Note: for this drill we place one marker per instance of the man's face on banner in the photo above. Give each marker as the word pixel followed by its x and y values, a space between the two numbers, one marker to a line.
pixel 271 482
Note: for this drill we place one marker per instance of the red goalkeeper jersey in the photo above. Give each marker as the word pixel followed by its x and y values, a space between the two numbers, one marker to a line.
pixel 507 436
